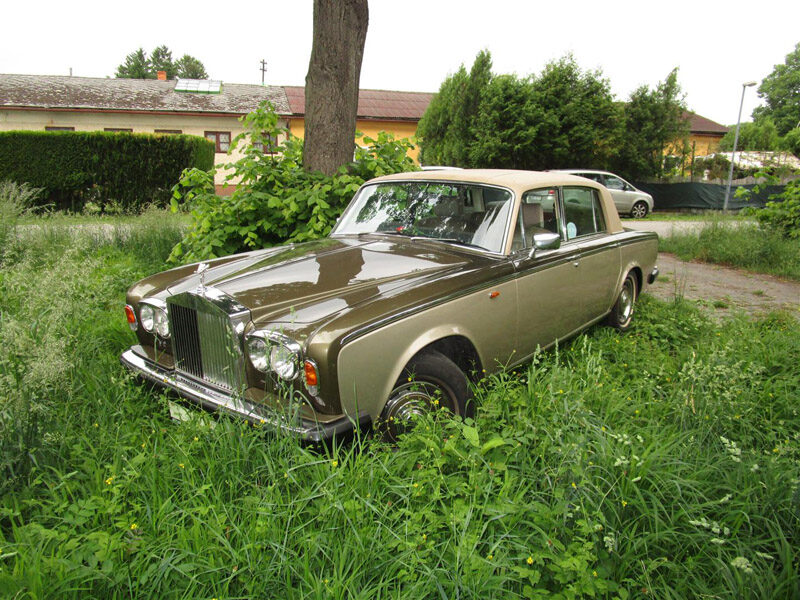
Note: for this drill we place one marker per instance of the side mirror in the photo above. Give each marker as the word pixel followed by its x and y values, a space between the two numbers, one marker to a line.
pixel 545 241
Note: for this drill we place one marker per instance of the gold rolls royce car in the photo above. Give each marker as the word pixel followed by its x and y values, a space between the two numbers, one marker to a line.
pixel 427 281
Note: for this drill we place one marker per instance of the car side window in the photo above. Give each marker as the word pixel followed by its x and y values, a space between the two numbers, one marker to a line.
pixel 582 212
pixel 593 176
pixel 614 183
pixel 537 214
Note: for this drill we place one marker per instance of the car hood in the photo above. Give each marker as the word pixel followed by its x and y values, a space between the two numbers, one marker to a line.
pixel 306 283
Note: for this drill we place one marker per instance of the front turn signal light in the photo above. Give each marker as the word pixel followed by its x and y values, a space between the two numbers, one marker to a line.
pixel 131 316
pixel 311 376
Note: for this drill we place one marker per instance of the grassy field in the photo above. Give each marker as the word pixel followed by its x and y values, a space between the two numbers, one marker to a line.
pixel 664 463
pixel 745 246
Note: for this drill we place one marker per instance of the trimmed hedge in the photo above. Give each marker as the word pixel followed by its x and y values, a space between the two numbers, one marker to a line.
pixel 74 167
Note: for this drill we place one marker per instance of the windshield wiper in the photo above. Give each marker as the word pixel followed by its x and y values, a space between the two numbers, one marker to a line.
pixel 455 241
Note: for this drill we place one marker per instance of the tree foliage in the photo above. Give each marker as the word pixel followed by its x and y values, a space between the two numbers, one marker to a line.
pixel 653 124
pixel 781 91
pixel 188 67
pixel 276 199
pixel 138 65
pixel 759 135
pixel 564 117
pixel 579 117
pixel 782 212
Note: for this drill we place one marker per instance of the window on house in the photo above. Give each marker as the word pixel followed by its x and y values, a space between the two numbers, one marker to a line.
pixel 269 146
pixel 221 139
pixel 118 129
pixel 169 131
pixel 59 129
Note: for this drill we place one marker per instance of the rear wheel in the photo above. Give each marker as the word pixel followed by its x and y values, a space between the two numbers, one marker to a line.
pixel 640 210
pixel 621 315
pixel 429 382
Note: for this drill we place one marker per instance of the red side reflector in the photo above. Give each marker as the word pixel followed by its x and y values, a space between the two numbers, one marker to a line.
pixel 494 295
pixel 311 373
pixel 129 314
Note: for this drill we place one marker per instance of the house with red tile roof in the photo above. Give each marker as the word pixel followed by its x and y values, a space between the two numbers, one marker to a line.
pixel 378 110
pixel 704 134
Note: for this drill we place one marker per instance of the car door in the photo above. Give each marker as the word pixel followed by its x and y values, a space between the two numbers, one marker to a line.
pixel 598 256
pixel 623 193
pixel 548 309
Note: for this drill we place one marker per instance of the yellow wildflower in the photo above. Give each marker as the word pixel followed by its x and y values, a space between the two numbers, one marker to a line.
pixel 334 463
pixel 134 526
pixel 181 465
pixel 529 560
pixel 109 480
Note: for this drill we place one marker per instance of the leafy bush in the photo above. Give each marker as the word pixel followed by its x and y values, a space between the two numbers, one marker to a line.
pixel 130 169
pixel 275 200
pixel 782 213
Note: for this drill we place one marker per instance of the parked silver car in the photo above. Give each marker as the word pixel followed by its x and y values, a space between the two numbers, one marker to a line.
pixel 627 199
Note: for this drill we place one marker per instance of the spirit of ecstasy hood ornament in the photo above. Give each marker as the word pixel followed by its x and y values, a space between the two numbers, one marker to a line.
pixel 201 270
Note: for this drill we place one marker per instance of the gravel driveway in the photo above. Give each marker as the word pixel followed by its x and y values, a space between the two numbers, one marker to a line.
pixel 724 288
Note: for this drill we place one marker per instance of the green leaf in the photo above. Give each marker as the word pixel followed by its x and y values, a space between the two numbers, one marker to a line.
pixel 472 435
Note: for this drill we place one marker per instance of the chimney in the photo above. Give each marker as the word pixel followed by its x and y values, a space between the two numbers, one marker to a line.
pixel 162 75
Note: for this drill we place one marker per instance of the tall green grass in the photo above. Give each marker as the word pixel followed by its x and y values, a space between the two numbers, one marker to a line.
pixel 662 463
pixel 746 246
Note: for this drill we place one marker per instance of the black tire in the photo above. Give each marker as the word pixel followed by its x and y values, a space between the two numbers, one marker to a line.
pixel 639 210
pixel 429 382
pixel 621 315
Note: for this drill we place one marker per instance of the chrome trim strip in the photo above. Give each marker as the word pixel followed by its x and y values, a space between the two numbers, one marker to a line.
pixel 254 413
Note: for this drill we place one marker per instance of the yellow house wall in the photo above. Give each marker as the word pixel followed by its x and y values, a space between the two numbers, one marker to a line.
pixel 371 128
pixel 704 144
pixel 37 120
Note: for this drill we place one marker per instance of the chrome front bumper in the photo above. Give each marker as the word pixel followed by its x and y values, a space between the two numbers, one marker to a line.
pixel 257 414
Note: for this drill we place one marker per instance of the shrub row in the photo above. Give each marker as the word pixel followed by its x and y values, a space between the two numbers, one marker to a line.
pixel 131 169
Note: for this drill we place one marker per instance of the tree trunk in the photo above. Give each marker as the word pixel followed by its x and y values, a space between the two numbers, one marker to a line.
pixel 340 30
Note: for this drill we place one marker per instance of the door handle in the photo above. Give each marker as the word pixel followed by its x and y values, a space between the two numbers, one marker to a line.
pixel 576 263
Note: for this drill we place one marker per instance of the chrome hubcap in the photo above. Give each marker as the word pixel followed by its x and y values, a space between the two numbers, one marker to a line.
pixel 408 402
pixel 626 302
pixel 639 211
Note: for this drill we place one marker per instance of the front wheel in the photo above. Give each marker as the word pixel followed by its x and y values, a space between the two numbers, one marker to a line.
pixel 621 315
pixel 640 210
pixel 429 382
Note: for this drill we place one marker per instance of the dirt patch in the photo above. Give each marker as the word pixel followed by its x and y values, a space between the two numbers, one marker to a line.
pixel 723 288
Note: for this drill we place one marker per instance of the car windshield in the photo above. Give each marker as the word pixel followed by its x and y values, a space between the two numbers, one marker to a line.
pixel 466 214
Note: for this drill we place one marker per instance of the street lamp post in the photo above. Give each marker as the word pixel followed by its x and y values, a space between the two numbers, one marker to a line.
pixel 735 141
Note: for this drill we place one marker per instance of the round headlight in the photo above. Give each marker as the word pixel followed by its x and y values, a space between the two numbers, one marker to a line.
pixel 258 351
pixel 283 361
pixel 147 317
pixel 162 323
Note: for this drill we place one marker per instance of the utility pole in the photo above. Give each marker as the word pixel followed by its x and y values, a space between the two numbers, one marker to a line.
pixel 263 70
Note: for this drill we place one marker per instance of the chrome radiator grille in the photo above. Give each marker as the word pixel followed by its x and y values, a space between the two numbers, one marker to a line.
pixel 205 343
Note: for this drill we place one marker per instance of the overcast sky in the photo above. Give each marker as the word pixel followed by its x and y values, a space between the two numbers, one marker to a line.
pixel 413 45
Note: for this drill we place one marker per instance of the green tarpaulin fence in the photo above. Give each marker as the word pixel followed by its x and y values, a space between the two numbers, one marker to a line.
pixel 668 196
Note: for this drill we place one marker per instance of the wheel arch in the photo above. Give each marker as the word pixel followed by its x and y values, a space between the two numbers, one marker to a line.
pixel 460 350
